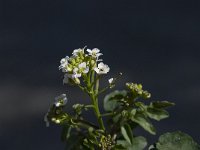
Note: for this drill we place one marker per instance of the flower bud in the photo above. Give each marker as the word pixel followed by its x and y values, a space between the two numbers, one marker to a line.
pixel 92 63
pixel 81 57
pixel 77 59
pixel 146 94
pixel 57 121
pixel 77 81
pixel 69 67
pixel 72 61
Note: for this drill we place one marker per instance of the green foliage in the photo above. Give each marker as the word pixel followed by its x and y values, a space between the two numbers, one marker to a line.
pixel 175 141
pixel 144 123
pixel 126 107
pixel 161 104
pixel 114 100
pixel 130 142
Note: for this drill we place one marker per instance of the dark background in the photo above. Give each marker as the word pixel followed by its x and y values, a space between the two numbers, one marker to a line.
pixel 155 43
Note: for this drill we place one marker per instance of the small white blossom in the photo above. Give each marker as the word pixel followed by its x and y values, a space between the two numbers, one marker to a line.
pixel 102 68
pixel 94 53
pixel 64 63
pixel 60 100
pixel 111 80
pixel 77 51
pixel 75 73
pixel 83 67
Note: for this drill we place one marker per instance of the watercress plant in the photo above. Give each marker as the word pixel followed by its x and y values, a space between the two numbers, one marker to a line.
pixel 124 110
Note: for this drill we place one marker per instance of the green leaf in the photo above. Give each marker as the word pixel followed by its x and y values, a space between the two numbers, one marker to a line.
pixel 157 114
pixel 176 141
pixel 126 145
pixel 144 123
pixel 111 101
pixel 161 104
pixel 127 133
pixel 139 143
pixel 133 112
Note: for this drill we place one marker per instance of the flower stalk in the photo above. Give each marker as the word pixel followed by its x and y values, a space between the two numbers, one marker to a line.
pixel 95 102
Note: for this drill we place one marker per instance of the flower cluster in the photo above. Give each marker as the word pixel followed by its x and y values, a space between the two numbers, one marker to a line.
pixel 81 63
pixel 137 90
pixel 107 142
pixel 60 101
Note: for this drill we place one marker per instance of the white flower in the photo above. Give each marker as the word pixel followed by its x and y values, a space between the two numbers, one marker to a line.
pixel 77 51
pixel 102 68
pixel 75 73
pixel 94 52
pixel 60 100
pixel 83 67
pixel 111 81
pixel 64 63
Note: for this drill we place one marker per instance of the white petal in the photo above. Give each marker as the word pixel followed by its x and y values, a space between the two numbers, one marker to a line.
pixel 86 70
pixel 100 65
pixel 99 60
pixel 98 54
pixel 89 50
pixel 82 65
pixel 95 50
pixel 110 80
pixel 63 60
pixel 76 75
pixel 97 70
pixel 76 51
pixel 75 70
pixel 107 69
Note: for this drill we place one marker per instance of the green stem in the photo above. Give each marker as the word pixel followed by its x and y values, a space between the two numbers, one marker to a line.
pixel 82 88
pixel 85 124
pixel 103 90
pixel 97 86
pixel 92 77
pixel 107 114
pixel 96 105
pixel 97 112
pixel 93 93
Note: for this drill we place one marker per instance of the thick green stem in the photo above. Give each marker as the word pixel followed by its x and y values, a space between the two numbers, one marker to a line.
pixel 96 105
pixel 97 112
